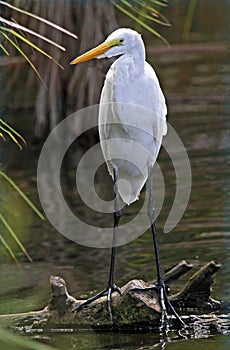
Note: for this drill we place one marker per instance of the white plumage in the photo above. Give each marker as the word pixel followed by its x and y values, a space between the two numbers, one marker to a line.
pixel 132 122
pixel 132 115
pixel 129 83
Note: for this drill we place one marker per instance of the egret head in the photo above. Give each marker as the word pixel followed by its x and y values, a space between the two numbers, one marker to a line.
pixel 121 41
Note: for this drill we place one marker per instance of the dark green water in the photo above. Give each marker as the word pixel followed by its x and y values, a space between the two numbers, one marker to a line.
pixel 197 86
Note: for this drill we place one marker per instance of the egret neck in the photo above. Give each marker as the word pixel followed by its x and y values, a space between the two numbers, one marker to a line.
pixel 136 54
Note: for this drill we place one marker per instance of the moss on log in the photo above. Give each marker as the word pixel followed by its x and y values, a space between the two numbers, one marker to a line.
pixel 138 307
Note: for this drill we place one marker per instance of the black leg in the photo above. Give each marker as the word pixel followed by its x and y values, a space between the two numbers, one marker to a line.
pixel 111 284
pixel 117 215
pixel 164 300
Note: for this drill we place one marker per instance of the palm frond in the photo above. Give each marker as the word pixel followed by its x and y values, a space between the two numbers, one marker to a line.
pixel 148 13
pixel 144 10
pixel 189 18
pixel 57 27
pixel 27 30
pixel 8 249
pixel 4 49
pixel 15 237
pixel 162 3
pixel 24 55
pixel 16 30
pixel 26 199
pixel 29 43
pixel 7 129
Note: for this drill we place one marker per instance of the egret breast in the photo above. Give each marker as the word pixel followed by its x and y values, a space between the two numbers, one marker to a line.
pixel 130 126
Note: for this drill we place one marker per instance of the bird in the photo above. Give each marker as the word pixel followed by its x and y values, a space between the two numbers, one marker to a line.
pixel 132 123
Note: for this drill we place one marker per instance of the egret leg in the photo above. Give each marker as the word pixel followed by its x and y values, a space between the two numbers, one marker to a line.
pixel 163 297
pixel 117 215
pixel 111 282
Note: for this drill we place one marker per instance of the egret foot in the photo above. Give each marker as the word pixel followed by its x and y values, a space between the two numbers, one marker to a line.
pixel 166 304
pixel 106 292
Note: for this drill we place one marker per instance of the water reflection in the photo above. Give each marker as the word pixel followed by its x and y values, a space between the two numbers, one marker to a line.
pixel 94 341
pixel 131 341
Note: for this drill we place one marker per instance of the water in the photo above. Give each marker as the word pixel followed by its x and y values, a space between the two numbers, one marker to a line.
pixel 128 341
pixel 197 87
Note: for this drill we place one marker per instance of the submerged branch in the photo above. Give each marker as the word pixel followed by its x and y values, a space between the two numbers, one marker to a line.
pixel 137 308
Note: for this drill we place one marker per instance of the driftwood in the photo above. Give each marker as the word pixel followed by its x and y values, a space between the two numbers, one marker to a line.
pixel 137 308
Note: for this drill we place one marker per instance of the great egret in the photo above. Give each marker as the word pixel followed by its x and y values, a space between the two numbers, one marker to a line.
pixel 130 80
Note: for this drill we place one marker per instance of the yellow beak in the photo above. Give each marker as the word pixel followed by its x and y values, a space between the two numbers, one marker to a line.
pixel 99 50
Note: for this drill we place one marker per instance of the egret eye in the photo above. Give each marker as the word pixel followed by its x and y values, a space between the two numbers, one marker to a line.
pixel 116 42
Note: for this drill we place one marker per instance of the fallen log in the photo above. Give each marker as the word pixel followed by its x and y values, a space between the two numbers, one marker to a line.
pixel 137 308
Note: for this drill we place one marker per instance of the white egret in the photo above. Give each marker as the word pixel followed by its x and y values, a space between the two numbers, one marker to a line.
pixel 130 80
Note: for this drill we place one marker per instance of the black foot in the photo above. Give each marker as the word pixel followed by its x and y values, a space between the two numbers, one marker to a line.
pixel 166 305
pixel 107 291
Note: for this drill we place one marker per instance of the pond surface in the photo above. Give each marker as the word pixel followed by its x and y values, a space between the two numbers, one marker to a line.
pixel 197 85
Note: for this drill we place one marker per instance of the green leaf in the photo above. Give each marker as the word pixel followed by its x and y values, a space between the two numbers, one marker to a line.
pixel 11 136
pixel 148 13
pixel 26 199
pixel 12 131
pixel 189 18
pixel 9 24
pixel 24 55
pixel 40 19
pixel 163 3
pixel 13 234
pixel 28 42
pixel 7 247
pixel 4 50
pixel 19 26
pixel 143 24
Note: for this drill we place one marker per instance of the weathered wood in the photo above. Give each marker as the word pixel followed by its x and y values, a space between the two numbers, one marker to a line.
pixel 177 271
pixel 196 294
pixel 138 306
